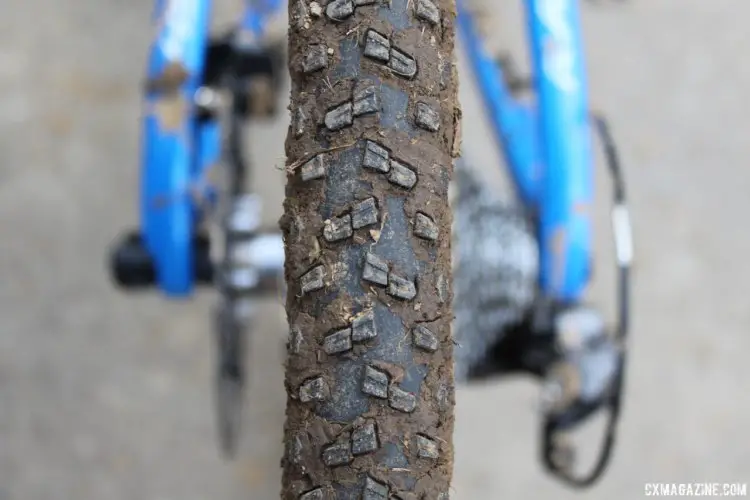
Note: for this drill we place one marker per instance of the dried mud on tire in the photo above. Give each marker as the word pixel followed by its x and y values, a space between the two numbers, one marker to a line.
pixel 367 229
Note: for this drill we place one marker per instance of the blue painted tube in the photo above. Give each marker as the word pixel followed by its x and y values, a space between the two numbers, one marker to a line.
pixel 513 122
pixel 257 14
pixel 564 129
pixel 168 143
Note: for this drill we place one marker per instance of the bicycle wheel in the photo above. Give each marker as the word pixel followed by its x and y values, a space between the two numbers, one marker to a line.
pixel 367 230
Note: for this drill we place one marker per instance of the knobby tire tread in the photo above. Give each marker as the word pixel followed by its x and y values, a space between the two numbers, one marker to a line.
pixel 367 229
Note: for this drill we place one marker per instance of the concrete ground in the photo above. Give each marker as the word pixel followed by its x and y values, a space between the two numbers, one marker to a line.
pixel 105 396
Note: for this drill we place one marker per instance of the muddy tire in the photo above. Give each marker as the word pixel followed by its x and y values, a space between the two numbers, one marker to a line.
pixel 367 230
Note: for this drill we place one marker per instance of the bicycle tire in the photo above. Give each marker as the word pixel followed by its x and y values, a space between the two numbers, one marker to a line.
pixel 367 229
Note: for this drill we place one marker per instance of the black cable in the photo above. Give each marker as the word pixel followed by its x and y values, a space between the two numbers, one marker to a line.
pixel 614 403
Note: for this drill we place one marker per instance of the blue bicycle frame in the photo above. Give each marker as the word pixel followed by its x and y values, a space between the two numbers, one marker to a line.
pixel 170 138
pixel 177 149
pixel 546 143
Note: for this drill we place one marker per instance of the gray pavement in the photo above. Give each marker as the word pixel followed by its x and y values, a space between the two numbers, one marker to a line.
pixel 104 396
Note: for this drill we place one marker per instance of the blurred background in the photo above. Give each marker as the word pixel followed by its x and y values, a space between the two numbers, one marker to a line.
pixel 105 396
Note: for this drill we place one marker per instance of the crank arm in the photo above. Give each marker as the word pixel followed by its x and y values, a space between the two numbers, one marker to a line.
pixel 230 377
